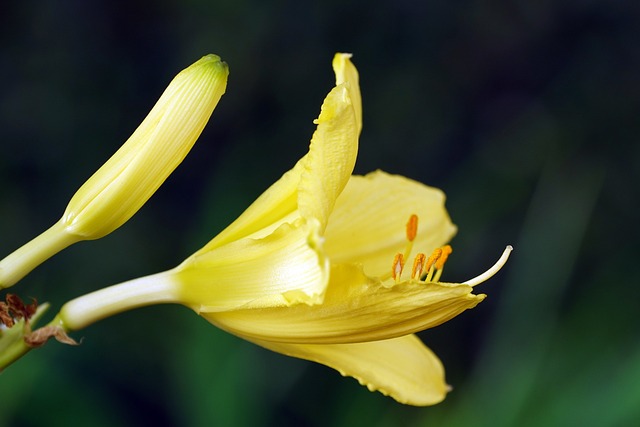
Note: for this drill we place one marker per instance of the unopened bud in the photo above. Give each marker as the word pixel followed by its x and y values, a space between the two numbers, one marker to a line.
pixel 129 178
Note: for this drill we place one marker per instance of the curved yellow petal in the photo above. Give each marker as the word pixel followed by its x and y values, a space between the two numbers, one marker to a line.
pixel 368 223
pixel 282 268
pixel 315 182
pixel 355 309
pixel 403 368
pixel 345 71
pixel 331 158
pixel 270 209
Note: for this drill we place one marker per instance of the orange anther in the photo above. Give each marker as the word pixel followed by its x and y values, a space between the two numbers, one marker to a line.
pixel 446 251
pixel 397 267
pixel 418 265
pixel 412 227
pixel 435 255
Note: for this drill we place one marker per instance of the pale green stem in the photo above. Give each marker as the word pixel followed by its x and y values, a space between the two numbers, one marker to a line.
pixel 12 344
pixel 13 353
pixel 19 347
pixel 20 263
pixel 87 309
pixel 149 290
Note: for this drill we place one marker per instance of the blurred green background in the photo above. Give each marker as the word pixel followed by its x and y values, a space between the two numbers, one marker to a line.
pixel 525 113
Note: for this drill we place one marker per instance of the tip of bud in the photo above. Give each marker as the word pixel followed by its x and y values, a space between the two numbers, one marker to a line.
pixel 210 62
pixel 212 57
pixel 214 60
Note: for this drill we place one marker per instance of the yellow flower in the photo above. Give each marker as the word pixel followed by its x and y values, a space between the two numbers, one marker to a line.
pixel 314 268
pixel 126 181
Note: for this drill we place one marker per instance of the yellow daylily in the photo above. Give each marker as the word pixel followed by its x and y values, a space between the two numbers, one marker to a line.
pixel 126 181
pixel 314 268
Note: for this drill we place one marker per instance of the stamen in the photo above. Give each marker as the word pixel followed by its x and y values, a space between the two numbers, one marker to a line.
pixel 430 266
pixel 412 227
pixel 398 262
pixel 397 267
pixel 433 258
pixel 411 232
pixel 446 251
pixel 493 270
pixel 418 265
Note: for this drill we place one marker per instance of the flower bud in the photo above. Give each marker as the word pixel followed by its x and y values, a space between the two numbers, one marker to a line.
pixel 126 181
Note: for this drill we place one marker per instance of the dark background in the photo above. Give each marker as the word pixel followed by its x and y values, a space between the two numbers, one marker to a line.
pixel 525 113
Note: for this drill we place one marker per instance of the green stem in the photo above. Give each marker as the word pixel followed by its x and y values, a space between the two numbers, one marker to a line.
pixel 12 344
pixel 13 353
pixel 19 348
pixel 20 263
pixel 87 309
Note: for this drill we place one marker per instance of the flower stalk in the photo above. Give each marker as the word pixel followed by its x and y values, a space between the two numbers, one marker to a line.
pixel 143 291
pixel 12 339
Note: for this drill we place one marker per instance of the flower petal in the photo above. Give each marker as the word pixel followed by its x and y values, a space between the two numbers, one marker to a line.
pixel 368 223
pixel 315 182
pixel 270 209
pixel 355 309
pixel 345 71
pixel 331 158
pixel 403 368
pixel 282 268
